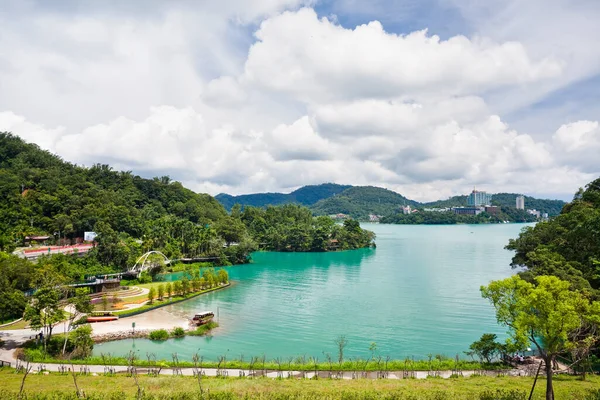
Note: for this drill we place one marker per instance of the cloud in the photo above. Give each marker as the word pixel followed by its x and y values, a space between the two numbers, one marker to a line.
pixel 315 59
pixel 182 92
pixel 580 145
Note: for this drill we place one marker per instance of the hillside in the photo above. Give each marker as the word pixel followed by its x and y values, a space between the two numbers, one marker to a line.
pixel 360 201
pixel 552 207
pixel 306 195
pixel 44 195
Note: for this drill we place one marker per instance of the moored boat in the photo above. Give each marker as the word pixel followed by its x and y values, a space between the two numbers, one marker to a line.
pixel 203 317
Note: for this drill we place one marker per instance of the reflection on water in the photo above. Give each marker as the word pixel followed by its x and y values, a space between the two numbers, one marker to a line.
pixel 417 293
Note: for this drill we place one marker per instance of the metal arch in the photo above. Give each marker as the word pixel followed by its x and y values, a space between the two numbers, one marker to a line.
pixel 139 267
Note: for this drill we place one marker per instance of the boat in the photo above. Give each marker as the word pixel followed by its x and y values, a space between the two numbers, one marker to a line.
pixel 203 318
pixel 102 316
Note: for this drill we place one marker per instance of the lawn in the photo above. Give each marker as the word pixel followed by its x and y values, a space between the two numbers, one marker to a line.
pixel 22 324
pixel 167 387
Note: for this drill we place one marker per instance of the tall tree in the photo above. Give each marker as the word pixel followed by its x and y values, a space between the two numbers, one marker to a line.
pixel 547 314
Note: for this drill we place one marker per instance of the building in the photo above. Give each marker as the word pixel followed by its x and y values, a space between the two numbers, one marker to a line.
pixel 374 218
pixel 477 198
pixel 338 216
pixel 406 210
pixel 534 212
pixel 520 202
pixel 468 210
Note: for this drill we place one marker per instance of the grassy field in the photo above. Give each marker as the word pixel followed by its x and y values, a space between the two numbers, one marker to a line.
pixel 22 324
pixel 174 387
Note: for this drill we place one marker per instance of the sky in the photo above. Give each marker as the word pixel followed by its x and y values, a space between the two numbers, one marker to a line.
pixel 429 98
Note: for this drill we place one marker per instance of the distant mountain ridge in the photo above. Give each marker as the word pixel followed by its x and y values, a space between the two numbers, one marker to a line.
pixel 361 201
pixel 306 195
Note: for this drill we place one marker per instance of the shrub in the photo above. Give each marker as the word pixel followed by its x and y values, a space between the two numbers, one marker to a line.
pixel 160 334
pixel 178 332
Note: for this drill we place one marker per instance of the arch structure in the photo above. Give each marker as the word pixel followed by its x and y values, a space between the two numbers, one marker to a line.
pixel 141 265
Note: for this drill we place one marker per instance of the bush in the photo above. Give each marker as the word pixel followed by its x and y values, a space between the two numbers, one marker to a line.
pixel 160 334
pixel 178 332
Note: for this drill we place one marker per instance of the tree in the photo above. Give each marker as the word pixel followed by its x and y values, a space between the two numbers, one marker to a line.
pixel 177 288
pixel 151 294
pixel 161 291
pixel 78 305
pixel 45 311
pixel 341 343
pixel 104 302
pixel 185 286
pixel 169 289
pixel 222 276
pixel 82 340
pixel 547 314
pixel 486 347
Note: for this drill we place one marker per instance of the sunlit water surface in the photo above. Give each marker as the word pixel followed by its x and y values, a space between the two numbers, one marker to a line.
pixel 416 293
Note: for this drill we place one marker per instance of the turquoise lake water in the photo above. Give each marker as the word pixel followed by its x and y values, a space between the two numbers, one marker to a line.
pixel 416 293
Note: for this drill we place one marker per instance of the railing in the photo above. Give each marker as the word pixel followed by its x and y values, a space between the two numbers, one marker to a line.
pixel 4 364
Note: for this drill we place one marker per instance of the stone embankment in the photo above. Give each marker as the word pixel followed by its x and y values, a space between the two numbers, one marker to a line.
pixel 111 336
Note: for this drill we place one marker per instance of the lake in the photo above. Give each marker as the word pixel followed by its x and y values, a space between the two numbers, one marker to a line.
pixel 416 293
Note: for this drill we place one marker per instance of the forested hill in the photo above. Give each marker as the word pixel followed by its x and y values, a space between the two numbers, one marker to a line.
pixel 552 207
pixel 42 195
pixel 567 246
pixel 306 195
pixel 360 201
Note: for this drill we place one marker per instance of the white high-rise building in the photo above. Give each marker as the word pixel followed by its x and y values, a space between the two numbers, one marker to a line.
pixel 520 202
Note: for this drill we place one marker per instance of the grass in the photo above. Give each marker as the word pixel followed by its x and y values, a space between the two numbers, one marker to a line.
pixel 22 324
pixel 296 364
pixel 176 387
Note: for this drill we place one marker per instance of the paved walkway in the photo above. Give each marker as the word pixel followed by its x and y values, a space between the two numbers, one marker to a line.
pixel 213 372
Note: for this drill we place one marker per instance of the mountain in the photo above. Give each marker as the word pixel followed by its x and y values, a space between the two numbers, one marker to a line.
pixel 42 195
pixel 306 195
pixel 360 201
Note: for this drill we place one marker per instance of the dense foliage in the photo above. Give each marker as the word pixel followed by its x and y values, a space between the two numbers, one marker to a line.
pixel 449 217
pixel 293 228
pixel 547 314
pixel 44 195
pixel 567 246
pixel 306 195
pixel 360 201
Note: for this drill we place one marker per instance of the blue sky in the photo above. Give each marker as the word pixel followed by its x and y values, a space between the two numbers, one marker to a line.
pixel 427 98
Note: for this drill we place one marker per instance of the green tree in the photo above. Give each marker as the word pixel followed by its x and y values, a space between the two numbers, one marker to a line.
pixel 547 314
pixel 486 347
pixel 78 305
pixel 104 302
pixel 169 289
pixel 151 294
pixel 82 340
pixel 161 291
pixel 185 286
pixel 177 288
pixel 222 276
pixel 45 311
